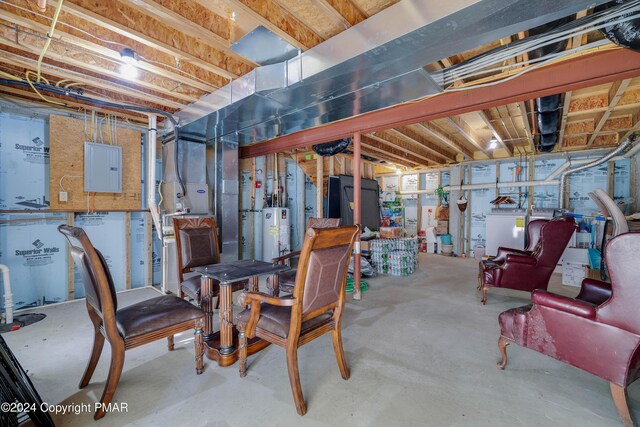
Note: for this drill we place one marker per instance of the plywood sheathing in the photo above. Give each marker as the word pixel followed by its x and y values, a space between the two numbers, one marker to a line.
pixel 110 39
pixel 371 7
pixel 81 59
pixel 351 13
pixel 294 31
pixel 105 50
pixel 66 157
pixel 137 21
pixel 312 17
pixel 93 83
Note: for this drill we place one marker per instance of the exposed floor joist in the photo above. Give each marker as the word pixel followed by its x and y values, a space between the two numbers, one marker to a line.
pixel 428 129
pixel 615 93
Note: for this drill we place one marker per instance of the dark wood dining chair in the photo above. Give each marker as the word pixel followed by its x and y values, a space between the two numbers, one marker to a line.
pixel 285 280
pixel 128 327
pixel 314 309
pixel 197 245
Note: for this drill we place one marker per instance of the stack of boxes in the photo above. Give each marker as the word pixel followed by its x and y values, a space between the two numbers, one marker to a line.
pixel 398 257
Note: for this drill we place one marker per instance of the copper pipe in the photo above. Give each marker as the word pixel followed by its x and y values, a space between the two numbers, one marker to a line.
pixel 42 5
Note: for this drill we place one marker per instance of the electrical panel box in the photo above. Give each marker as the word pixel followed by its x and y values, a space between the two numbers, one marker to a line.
pixel 102 168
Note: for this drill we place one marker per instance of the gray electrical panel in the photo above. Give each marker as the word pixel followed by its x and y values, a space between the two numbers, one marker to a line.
pixel 102 168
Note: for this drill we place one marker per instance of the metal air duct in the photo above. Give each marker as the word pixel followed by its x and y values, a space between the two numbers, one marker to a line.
pixel 372 65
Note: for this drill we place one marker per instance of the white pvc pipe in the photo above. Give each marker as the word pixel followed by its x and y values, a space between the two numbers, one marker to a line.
pixel 151 174
pixel 8 296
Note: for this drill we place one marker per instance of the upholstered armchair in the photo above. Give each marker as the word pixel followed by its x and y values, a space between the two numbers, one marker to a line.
pixel 533 236
pixel 314 309
pixel 197 245
pixel 285 280
pixel 598 331
pixel 529 271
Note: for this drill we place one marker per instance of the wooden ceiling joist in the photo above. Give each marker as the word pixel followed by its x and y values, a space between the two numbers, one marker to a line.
pixel 409 135
pixel 190 27
pixel 64 37
pixel 273 17
pixel 392 150
pixel 389 138
pixel 615 93
pixel 92 63
pixel 90 81
pixel 80 9
pixel 347 10
pixel 390 155
pixel 435 133
pixel 494 132
pixel 527 126
pixel 467 133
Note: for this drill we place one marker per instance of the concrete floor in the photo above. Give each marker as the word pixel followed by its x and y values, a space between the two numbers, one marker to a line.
pixel 421 349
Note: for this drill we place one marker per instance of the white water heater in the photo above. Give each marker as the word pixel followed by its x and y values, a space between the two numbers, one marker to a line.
pixel 276 232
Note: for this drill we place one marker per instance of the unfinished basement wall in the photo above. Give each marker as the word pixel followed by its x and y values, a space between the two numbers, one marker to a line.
pixel 37 255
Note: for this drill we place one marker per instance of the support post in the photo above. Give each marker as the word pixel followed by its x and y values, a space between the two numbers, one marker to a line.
pixel 357 162
pixel 319 186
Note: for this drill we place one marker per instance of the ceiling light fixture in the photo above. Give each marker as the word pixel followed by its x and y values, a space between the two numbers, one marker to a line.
pixel 129 69
pixel 493 144
pixel 234 15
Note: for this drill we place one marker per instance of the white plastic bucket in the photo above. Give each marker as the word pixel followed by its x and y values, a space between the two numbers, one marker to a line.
pixel 478 252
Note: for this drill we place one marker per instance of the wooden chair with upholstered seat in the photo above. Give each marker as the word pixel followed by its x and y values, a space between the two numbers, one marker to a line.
pixel 197 245
pixel 128 327
pixel 285 280
pixel 314 309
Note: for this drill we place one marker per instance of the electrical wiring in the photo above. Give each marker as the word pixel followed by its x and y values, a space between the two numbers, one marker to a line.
pixel 571 30
pixel 150 61
pixel 54 21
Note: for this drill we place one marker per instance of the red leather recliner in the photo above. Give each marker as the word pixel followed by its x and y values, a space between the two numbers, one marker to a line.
pixel 598 331
pixel 527 271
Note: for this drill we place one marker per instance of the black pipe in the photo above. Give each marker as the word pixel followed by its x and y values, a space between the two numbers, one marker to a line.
pixel 72 94
pixel 625 34
pixel 332 148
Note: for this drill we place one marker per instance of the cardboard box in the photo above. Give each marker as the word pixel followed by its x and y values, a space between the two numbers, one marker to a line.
pixel 390 232
pixel 364 246
pixel 443 227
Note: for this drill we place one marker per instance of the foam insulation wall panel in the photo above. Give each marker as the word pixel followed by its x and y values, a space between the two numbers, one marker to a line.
pixel 582 183
pixel 36 254
pixel 107 233
pixel 546 196
pixel 24 163
pixel 480 201
pixel 139 247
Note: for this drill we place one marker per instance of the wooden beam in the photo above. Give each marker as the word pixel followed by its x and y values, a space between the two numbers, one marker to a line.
pixel 527 126
pixel 390 150
pixel 430 130
pixel 494 132
pixel 64 37
pixel 273 17
pixel 29 63
pixel 82 61
pixel 466 132
pixel 381 154
pixel 571 74
pixel 413 137
pixel 347 10
pixel 615 93
pixel 384 138
pixel 187 26
pixel 140 37
pixel 575 42
pixel 331 13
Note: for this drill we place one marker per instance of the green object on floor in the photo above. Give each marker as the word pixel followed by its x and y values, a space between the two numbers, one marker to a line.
pixel 364 286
